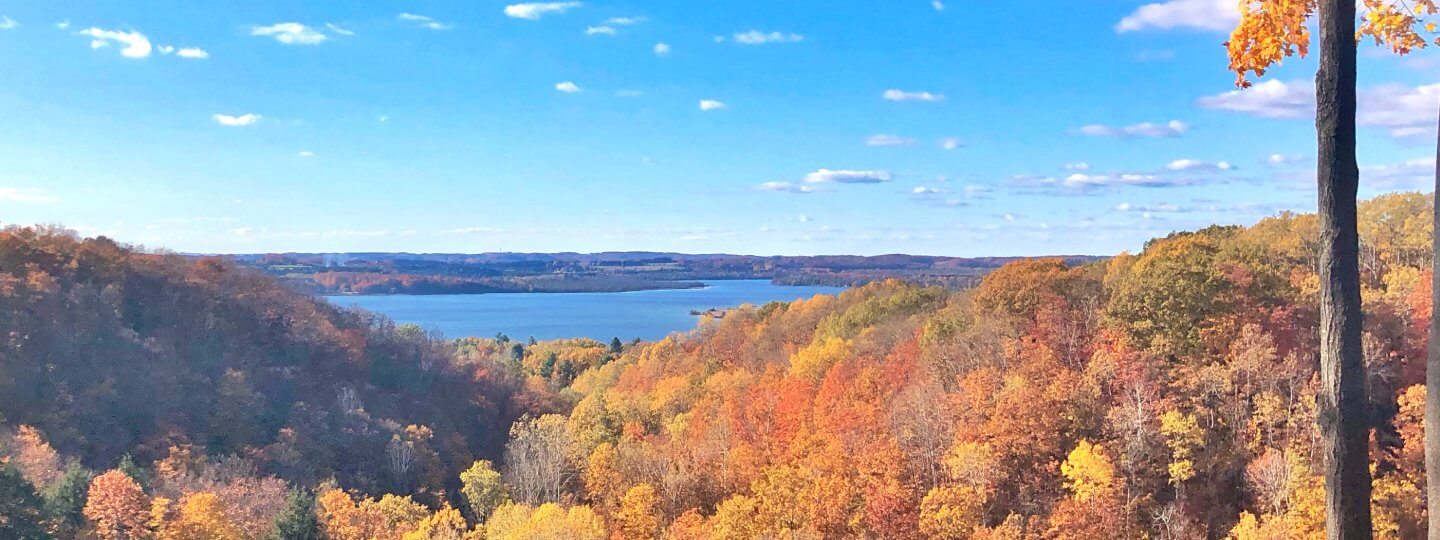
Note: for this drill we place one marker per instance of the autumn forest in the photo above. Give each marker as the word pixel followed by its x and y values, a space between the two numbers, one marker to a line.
pixel 1169 393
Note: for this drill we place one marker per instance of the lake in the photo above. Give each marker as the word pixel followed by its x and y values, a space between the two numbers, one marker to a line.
pixel 647 315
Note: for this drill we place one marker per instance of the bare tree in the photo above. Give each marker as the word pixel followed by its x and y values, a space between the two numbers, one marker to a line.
pixel 538 465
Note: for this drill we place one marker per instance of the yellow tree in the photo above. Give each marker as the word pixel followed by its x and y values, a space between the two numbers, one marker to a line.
pixel 201 515
pixel 638 518
pixel 117 507
pixel 1269 31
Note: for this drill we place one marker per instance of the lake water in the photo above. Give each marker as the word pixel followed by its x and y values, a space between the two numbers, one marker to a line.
pixel 647 315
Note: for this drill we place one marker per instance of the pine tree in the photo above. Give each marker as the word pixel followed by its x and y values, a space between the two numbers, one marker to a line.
pixel 297 521
pixel 65 499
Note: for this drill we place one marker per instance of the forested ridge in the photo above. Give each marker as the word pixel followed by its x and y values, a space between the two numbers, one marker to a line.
pixel 1164 394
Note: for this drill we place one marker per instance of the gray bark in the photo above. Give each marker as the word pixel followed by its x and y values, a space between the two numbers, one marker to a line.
pixel 1432 370
pixel 1344 425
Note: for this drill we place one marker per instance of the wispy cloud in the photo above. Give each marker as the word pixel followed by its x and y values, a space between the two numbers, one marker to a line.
pixel 1173 128
pixel 6 23
pixel 1403 111
pixel 711 105
pixel 63 24
pixel 951 143
pixel 568 87
pixel 27 196
pixel 1209 15
pixel 536 10
pixel 787 187
pixel 883 139
pixel 901 95
pixel 756 37
pixel 1194 165
pixel 338 30
pixel 136 45
pixel 662 49
pixel 1415 174
pixel 1268 99
pixel 246 119
pixel 937 5
pixel 600 31
pixel 425 21
pixel 290 33
pixel 827 176
pixel 624 21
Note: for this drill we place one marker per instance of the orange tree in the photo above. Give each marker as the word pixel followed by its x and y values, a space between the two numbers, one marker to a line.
pixel 1269 31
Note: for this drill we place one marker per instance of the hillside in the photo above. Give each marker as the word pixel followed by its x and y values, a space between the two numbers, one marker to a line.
pixel 441 273
pixel 1164 394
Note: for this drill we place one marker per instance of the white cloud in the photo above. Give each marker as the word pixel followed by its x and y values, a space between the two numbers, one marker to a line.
pixel 29 196
pixel 306 153
pixel 63 24
pixel 1415 174
pixel 535 10
pixel 6 23
pixel 290 33
pixel 1402 111
pixel 242 120
pixel 599 30
pixel 883 139
pixel 802 218
pixel 1269 99
pixel 383 119
pixel 786 187
pixel 338 30
pixel 194 53
pixel 1210 15
pixel 165 49
pixel 756 37
pixel 1149 208
pixel 951 143
pixel 1282 159
pixel 136 44
pixel 568 87
pixel 1174 128
pixel 1193 165
pixel 662 49
pixel 901 95
pixel 1083 180
pixel 827 176
pixel 710 105
pixel 624 21
pixel 938 5
pixel 1078 166
pixel 922 190
pixel 424 21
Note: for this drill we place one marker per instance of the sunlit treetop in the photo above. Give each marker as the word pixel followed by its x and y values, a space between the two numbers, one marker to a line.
pixel 1271 30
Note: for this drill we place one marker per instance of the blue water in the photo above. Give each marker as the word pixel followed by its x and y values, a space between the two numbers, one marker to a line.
pixel 644 314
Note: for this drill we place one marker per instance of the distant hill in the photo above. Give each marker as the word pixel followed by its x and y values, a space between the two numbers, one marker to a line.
pixel 459 273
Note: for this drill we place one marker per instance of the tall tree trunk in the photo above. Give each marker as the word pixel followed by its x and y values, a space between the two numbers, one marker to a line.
pixel 1432 368
pixel 1342 404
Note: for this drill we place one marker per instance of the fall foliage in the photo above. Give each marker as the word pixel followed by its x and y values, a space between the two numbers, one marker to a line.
pixel 1169 393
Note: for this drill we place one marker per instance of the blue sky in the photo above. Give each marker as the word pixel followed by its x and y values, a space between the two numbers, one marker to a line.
pixel 746 126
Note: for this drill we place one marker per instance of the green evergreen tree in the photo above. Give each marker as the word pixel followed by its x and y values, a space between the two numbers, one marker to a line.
pixel 128 466
pixel 20 514
pixel 297 521
pixel 615 346
pixel 547 368
pixel 64 500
